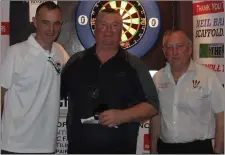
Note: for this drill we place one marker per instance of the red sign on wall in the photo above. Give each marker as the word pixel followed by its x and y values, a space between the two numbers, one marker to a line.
pixel 207 7
pixel 4 28
pixel 146 142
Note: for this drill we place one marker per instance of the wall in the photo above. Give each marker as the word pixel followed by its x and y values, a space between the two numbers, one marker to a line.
pixel 185 17
pixel 21 28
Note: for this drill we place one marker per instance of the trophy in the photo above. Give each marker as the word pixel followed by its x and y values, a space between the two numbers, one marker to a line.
pixel 98 107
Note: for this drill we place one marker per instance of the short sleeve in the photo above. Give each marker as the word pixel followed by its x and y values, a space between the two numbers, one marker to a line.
pixel 217 95
pixel 65 57
pixel 7 69
pixel 64 54
pixel 154 80
pixel 146 81
pixel 64 76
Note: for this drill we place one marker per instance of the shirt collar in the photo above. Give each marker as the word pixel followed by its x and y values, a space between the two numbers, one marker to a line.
pixel 121 52
pixel 32 41
pixel 191 67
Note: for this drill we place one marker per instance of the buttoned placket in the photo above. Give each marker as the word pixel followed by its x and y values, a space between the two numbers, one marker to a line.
pixel 175 103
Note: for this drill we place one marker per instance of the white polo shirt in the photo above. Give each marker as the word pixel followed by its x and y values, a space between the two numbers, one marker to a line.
pixel 188 107
pixel 32 102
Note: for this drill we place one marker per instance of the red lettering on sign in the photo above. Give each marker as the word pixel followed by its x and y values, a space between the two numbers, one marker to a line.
pixel 146 142
pixel 207 7
pixel 4 28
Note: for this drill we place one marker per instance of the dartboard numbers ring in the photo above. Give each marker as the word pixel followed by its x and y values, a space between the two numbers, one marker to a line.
pixel 141 23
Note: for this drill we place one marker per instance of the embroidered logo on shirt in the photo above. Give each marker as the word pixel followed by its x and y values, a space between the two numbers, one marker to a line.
pixel 121 74
pixel 55 64
pixel 162 85
pixel 196 83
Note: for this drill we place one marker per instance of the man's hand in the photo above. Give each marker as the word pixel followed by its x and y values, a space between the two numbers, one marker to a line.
pixel 112 118
pixel 137 113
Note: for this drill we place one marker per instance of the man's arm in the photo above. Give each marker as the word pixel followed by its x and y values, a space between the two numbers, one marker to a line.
pixel 154 130
pixel 218 106
pixel 146 94
pixel 149 107
pixel 137 113
pixel 68 61
pixel 219 137
pixel 3 91
pixel 8 67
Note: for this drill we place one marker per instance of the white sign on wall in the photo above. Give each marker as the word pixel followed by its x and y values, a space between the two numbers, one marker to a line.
pixel 4 42
pixel 62 136
pixel 33 6
pixel 208 35
pixel 4 28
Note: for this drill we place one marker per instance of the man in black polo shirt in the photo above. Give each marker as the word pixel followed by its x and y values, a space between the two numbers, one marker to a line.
pixel 107 82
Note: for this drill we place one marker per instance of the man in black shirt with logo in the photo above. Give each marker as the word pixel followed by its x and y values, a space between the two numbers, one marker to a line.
pixel 107 83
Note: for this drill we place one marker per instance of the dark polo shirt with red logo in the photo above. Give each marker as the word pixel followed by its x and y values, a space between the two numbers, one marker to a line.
pixel 120 83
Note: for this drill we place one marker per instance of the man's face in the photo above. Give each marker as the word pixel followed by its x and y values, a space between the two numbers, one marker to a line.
pixel 108 29
pixel 177 50
pixel 48 25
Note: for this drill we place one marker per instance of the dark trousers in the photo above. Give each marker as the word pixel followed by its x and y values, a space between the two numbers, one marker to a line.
pixel 8 152
pixel 130 149
pixel 195 147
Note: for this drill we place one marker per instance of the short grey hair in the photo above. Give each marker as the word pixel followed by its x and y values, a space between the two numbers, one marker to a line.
pixel 170 32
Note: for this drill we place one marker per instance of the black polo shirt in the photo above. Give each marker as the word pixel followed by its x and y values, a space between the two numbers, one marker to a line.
pixel 120 83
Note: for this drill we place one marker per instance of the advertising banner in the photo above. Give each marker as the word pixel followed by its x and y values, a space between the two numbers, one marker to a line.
pixel 62 136
pixel 208 35
pixel 4 28
pixel 4 14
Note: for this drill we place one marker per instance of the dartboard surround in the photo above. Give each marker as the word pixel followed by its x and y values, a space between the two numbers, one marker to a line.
pixel 141 23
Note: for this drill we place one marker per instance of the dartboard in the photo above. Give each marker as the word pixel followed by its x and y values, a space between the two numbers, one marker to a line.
pixel 141 23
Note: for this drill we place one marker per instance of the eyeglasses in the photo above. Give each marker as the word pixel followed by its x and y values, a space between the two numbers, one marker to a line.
pixel 55 65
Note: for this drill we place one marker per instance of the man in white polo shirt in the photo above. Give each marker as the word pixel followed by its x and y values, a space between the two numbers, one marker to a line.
pixel 191 103
pixel 30 84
